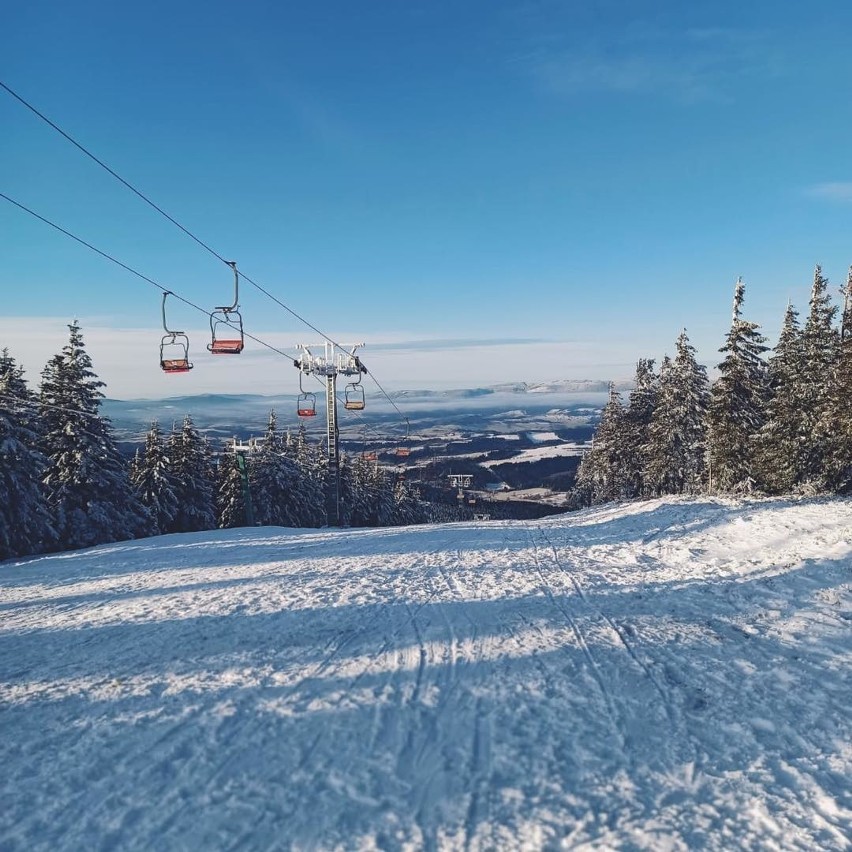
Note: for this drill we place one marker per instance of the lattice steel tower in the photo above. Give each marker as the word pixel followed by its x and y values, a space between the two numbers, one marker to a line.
pixel 330 365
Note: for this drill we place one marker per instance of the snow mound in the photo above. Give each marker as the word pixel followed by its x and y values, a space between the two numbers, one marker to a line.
pixel 669 674
pixel 541 437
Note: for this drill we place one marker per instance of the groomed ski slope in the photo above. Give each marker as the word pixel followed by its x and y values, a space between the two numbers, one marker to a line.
pixel 673 674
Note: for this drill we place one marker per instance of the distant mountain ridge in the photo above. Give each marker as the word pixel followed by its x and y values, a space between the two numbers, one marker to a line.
pixel 225 415
pixel 558 386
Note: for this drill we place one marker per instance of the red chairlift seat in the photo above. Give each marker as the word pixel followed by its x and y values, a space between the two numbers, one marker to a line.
pixel 226 346
pixel 175 365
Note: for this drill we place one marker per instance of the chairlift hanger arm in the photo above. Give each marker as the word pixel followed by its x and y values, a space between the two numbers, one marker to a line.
pixel 167 293
pixel 228 308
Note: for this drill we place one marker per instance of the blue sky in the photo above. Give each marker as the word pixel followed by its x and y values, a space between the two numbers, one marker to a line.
pixel 579 179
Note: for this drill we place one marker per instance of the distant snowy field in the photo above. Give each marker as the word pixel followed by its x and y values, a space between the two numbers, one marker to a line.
pixel 674 674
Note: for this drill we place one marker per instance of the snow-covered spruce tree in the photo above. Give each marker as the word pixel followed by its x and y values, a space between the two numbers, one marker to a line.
pixel 370 494
pixel 150 474
pixel 383 484
pixel 601 476
pixel 191 469
pixel 25 523
pixel 349 495
pixel 838 434
pixel 230 493
pixel 408 507
pixel 779 445
pixel 820 341
pixel 637 422
pixel 313 468
pixel 678 429
pixel 86 478
pixel 274 481
pixel 738 400
pixel 357 497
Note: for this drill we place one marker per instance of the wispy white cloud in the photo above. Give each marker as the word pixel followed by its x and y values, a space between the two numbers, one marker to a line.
pixel 690 65
pixel 127 359
pixel 831 191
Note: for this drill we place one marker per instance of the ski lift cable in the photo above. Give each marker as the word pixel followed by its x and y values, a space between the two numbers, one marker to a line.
pixel 133 271
pixel 103 165
pixel 186 231
pixel 396 407
pixel 162 212
pixel 369 430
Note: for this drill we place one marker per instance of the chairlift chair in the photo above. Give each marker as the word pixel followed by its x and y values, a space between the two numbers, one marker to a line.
pixel 403 450
pixel 353 396
pixel 306 404
pixel 226 324
pixel 174 347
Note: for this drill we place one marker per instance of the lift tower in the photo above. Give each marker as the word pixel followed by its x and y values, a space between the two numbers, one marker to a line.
pixel 329 365
pixel 460 481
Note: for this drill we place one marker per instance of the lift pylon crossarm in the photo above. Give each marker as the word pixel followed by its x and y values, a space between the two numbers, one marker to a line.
pixel 345 363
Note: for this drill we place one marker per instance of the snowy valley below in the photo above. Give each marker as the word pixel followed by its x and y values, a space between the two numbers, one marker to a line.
pixel 669 674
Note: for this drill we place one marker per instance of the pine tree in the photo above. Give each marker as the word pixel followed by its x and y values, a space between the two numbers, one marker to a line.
pixel 738 401
pixel 349 494
pixel 381 487
pixel 25 523
pixel 17 390
pixel 637 422
pixel 192 478
pixel 678 430
pixel 821 343
pixel 838 423
pixel 275 481
pixel 230 494
pixel 363 501
pixel 87 480
pixel 408 507
pixel 779 446
pixel 313 468
pixel 657 479
pixel 602 475
pixel 152 480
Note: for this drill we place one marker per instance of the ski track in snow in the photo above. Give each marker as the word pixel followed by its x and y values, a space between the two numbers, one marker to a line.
pixel 671 674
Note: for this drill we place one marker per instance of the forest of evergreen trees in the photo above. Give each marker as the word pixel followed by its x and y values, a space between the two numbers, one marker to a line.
pixel 769 424
pixel 64 484
pixel 777 423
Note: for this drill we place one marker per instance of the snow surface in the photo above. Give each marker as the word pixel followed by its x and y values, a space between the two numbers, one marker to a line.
pixel 541 437
pixel 672 674
pixel 533 454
